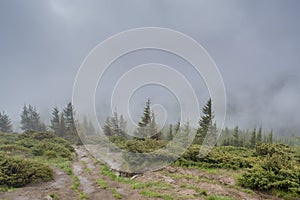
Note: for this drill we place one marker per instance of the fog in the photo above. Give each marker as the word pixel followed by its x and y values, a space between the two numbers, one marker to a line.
pixel 255 45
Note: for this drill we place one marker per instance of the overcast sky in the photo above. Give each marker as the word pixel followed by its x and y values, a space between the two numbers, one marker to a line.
pixel 255 44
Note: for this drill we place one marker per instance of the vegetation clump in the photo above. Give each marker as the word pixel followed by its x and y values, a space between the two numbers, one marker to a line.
pixel 24 157
pixel 18 171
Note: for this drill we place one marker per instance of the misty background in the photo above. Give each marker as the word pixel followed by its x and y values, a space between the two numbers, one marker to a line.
pixel 255 44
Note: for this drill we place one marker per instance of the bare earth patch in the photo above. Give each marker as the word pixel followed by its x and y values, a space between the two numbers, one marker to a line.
pixel 169 183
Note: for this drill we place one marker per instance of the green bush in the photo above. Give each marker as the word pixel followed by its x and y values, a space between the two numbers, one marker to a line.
pixel 219 157
pixel 13 148
pixel 62 142
pixel 17 171
pixel 27 142
pixel 275 171
pixel 44 146
pixel 50 154
pixel 144 146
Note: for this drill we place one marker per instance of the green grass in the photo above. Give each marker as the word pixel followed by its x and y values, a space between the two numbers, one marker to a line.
pixel 83 196
pixel 152 194
pixel 66 166
pixel 115 193
pixel 6 189
pixel 88 170
pixel 102 183
pixel 218 197
pixel 112 176
pixel 75 187
pixel 76 183
pixel 54 196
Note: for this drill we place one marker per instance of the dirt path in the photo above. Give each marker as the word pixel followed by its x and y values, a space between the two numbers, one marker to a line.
pixel 169 183
pixel 88 171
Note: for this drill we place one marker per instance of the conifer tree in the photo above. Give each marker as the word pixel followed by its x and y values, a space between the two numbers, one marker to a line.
pixel 107 128
pixel 5 123
pixel 146 118
pixel 270 137
pixel 259 135
pixel 253 138
pixel 123 125
pixel 205 123
pixel 177 128
pixel 170 133
pixel 236 141
pixel 147 125
pixel 55 121
pixel 30 119
pixel 69 124
pixel 69 120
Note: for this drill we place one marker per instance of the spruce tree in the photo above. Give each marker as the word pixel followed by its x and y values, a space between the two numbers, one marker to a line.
pixel 107 128
pixel 62 126
pixel 259 135
pixel 270 137
pixel 123 125
pixel 5 123
pixel 177 128
pixel 115 124
pixel 147 125
pixel 146 118
pixel 253 138
pixel 170 133
pixel 69 125
pixel 205 123
pixel 30 119
pixel 69 120
pixel 25 120
pixel 236 141
pixel 55 121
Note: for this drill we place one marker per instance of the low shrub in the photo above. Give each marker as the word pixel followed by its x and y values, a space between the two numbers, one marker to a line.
pixel 50 154
pixel 45 146
pixel 275 171
pixel 17 171
pixel 219 157
pixel 13 148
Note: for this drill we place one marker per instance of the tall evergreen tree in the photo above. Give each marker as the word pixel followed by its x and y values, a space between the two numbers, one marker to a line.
pixel 5 123
pixel 170 133
pixel 146 118
pixel 205 123
pixel 62 126
pixel 235 140
pixel 270 137
pixel 55 121
pixel 147 125
pixel 177 128
pixel 115 124
pixel 69 124
pixel 253 138
pixel 69 119
pixel 123 125
pixel 25 120
pixel 107 129
pixel 259 135
pixel 30 119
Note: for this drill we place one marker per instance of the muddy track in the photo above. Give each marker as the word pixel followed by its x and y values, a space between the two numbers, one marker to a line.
pixel 181 184
pixel 88 171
